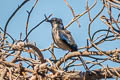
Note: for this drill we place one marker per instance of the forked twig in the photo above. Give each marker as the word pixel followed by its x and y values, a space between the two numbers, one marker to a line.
pixel 36 26
pixel 72 12
pixel 13 14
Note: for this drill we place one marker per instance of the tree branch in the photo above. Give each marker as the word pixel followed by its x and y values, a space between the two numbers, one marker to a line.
pixel 85 53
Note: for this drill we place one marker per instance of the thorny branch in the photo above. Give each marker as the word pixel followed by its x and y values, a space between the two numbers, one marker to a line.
pixel 13 65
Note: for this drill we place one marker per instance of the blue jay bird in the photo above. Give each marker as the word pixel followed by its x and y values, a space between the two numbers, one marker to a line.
pixel 62 37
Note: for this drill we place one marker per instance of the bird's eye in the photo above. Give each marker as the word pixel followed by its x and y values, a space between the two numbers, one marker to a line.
pixel 57 21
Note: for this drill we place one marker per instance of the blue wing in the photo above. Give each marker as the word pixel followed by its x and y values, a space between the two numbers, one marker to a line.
pixel 64 37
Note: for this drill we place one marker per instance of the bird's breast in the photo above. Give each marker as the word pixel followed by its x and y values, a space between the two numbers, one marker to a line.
pixel 58 41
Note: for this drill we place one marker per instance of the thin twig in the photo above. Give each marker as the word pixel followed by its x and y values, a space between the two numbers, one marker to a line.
pixel 28 18
pixel 89 26
pixel 79 15
pixel 36 27
pixel 13 14
pixel 72 12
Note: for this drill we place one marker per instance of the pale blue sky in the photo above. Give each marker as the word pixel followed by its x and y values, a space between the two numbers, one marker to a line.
pixel 42 34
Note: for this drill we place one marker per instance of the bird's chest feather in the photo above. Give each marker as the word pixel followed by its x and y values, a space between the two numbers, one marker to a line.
pixel 58 41
pixel 55 35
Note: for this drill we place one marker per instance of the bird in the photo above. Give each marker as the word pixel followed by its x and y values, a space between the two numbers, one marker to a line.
pixel 62 37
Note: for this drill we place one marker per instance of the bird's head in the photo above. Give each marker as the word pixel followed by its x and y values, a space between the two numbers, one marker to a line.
pixel 56 22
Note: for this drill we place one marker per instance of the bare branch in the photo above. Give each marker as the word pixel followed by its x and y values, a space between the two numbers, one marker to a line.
pixel 85 53
pixel 79 15
pixel 72 12
pixel 13 14
pixel 36 27
pixel 29 13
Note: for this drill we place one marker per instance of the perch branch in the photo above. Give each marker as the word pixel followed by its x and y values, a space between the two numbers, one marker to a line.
pixel 85 53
